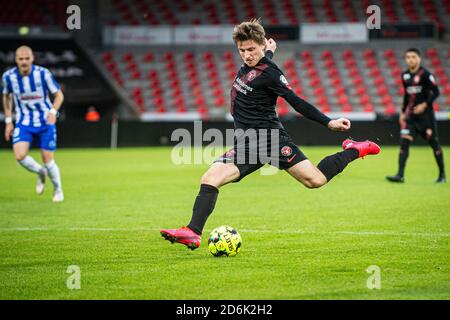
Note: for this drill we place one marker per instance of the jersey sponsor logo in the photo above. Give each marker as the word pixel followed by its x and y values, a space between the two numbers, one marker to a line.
pixel 30 97
pixel 414 89
pixel 406 76
pixel 251 75
pixel 241 86
pixel 286 151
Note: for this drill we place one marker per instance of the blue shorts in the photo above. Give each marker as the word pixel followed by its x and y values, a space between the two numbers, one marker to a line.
pixel 43 137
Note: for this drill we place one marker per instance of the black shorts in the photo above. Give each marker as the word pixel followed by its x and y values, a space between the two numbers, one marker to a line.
pixel 249 156
pixel 420 125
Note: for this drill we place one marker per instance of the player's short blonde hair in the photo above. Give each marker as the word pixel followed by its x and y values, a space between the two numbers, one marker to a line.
pixel 249 30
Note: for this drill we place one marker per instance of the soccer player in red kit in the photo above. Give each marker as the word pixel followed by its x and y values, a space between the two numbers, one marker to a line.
pixel 254 93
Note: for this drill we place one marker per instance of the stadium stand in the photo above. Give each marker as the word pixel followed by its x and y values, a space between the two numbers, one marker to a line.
pixel 351 78
pixel 273 12
pixel 36 12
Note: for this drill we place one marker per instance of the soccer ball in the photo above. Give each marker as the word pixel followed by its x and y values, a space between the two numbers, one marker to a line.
pixel 224 241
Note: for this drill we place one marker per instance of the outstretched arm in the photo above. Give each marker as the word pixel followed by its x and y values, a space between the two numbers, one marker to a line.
pixel 280 86
pixel 311 112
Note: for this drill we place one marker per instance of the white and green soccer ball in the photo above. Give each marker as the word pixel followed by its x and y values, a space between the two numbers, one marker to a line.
pixel 224 241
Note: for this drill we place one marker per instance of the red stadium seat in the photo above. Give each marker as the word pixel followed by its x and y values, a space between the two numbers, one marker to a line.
pixel 152 74
pixel 326 55
pixel 353 72
pixel 392 63
pixel 219 101
pixel 358 81
pixel 305 54
pixel 339 90
pixel 431 53
pixel 168 56
pixel 368 53
pixel 446 89
pixel 378 81
pixel 361 90
pixel 181 108
pixel 350 63
pixel 365 99
pixel 382 90
pixel 127 57
pixel 314 82
pixel 329 64
pixel 319 92
pixel 375 72
pixel 368 108
pixel 371 63
pixel 390 109
pixel 336 82
pixel 347 54
pixel 389 54
pixel 308 63
pixel 386 99
pixel 343 99
pixel 107 56
pixel 135 75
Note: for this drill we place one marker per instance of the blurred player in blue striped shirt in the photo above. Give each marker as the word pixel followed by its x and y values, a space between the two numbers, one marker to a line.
pixel 30 87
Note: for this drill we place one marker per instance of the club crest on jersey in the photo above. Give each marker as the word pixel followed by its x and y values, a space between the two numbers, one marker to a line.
pixel 416 79
pixel 286 151
pixel 251 75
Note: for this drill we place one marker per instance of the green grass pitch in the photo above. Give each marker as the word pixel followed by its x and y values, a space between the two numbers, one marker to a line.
pixel 297 243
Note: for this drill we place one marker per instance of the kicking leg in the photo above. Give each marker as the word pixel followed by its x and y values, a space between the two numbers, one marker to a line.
pixel 329 167
pixel 54 174
pixel 314 177
pixel 307 174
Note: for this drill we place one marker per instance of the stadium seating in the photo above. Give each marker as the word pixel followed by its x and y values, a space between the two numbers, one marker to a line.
pixel 272 12
pixel 347 79
pixel 36 12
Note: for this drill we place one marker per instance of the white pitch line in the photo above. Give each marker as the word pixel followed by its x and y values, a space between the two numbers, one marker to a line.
pixel 360 233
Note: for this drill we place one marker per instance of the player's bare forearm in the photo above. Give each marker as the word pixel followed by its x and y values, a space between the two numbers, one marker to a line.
pixel 420 108
pixel 58 100
pixel 7 108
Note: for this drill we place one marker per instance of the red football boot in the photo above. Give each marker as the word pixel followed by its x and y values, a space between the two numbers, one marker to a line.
pixel 364 147
pixel 183 235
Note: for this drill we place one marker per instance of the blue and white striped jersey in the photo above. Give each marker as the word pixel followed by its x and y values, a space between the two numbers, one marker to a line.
pixel 31 94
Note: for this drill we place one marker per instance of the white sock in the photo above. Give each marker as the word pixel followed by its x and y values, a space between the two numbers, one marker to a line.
pixel 30 164
pixel 53 173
